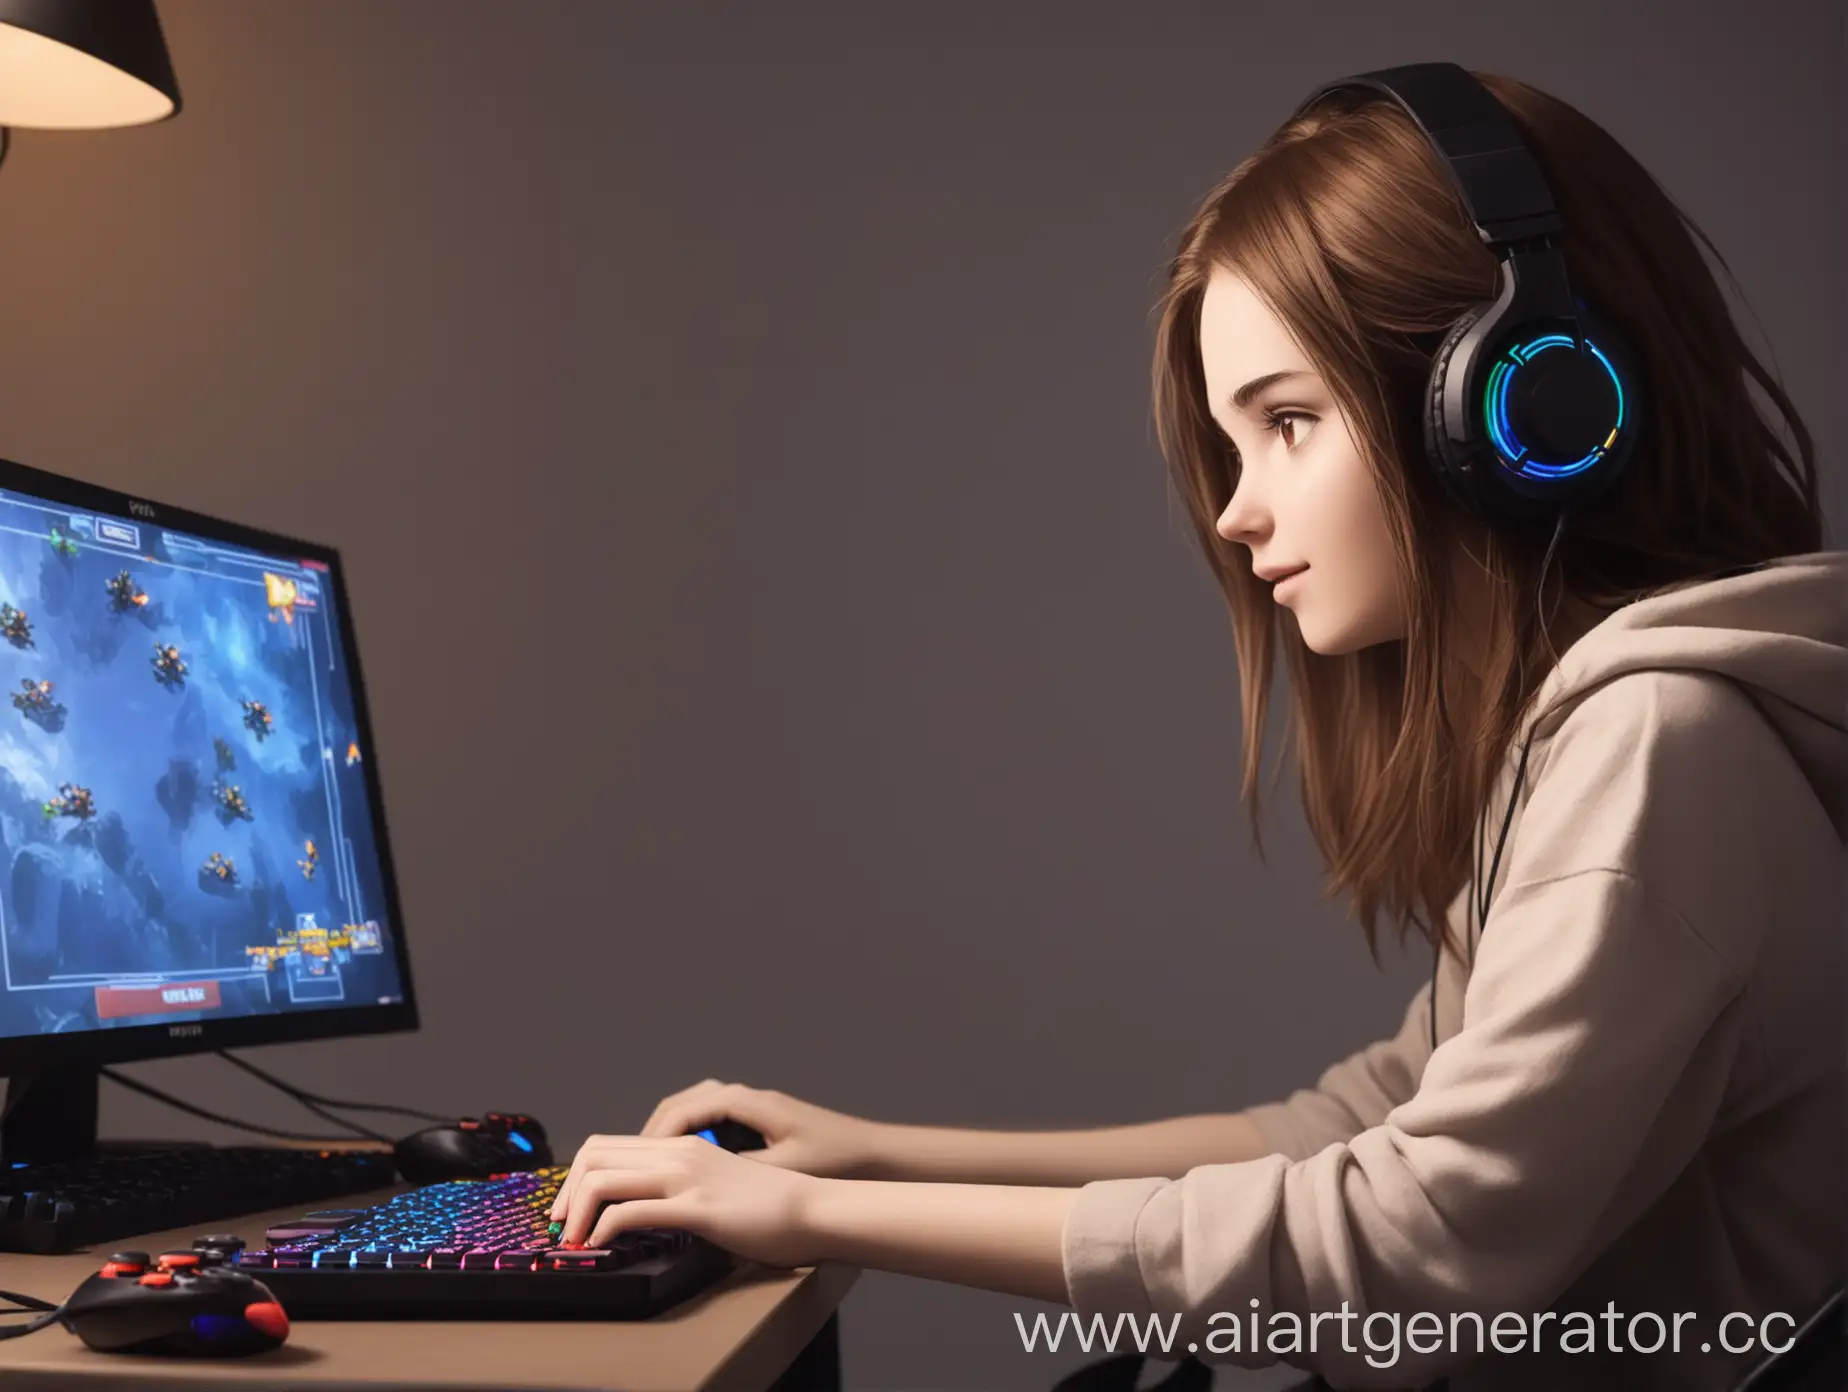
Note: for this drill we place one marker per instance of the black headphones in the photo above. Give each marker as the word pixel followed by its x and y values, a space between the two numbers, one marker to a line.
pixel 1533 404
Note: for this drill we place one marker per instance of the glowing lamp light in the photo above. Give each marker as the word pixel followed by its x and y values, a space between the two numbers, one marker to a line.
pixel 83 65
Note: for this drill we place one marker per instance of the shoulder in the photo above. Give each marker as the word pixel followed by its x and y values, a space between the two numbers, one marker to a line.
pixel 1691 727
pixel 1670 778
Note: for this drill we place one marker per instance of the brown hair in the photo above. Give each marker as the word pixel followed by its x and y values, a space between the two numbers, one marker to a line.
pixel 1347 225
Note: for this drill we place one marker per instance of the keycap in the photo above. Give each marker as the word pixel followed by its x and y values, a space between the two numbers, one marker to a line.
pixel 586 1259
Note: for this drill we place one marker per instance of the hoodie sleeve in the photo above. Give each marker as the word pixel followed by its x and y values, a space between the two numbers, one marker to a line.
pixel 1352 1095
pixel 1598 1034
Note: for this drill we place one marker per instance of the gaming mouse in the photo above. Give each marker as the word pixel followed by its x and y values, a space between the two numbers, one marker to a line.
pixel 182 1302
pixel 497 1143
pixel 731 1135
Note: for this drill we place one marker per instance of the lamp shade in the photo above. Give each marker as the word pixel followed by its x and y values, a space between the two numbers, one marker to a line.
pixel 83 64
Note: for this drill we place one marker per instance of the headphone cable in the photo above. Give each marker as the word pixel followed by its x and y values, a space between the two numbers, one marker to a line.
pixel 1479 902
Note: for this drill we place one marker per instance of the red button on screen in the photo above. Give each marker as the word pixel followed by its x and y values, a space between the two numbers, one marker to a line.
pixel 112 1002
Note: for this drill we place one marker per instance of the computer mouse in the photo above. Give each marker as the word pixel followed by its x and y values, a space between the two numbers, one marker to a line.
pixel 473 1148
pixel 189 1303
pixel 732 1135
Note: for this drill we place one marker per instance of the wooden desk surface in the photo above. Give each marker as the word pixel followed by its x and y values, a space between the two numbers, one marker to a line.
pixel 737 1336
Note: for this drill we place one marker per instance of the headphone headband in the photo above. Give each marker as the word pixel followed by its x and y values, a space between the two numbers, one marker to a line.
pixel 1531 405
pixel 1500 182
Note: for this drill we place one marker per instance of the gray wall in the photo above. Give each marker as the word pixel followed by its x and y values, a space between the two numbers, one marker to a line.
pixel 786 662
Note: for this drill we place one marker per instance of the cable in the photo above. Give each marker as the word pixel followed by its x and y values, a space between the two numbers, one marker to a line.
pixel 1479 902
pixel 302 1095
pixel 312 1101
pixel 1762 1376
pixel 306 1099
pixel 1520 773
pixel 31 1326
pixel 136 1085
pixel 28 1305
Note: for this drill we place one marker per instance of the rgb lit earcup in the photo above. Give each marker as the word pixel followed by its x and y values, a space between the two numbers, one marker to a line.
pixel 1544 426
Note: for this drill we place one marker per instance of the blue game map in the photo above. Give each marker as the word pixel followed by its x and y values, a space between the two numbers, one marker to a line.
pixel 185 832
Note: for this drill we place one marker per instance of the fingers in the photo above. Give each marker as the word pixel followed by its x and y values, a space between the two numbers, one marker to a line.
pixel 578 1162
pixel 606 1187
pixel 625 1168
pixel 584 1159
pixel 701 1106
pixel 782 1154
pixel 636 1213
pixel 674 1102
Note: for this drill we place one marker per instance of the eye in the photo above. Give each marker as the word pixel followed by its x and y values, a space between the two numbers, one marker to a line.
pixel 1274 420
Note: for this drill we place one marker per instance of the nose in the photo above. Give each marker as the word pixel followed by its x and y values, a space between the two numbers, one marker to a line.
pixel 1237 521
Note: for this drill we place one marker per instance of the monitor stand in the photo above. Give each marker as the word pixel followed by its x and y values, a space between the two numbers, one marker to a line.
pixel 51 1116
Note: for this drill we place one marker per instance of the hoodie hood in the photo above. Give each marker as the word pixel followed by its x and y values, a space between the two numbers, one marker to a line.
pixel 1778 629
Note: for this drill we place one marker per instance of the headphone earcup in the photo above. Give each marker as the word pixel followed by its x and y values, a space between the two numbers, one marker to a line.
pixel 1458 481
pixel 1475 477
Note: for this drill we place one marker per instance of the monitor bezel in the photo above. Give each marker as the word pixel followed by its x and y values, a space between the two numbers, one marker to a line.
pixel 25 1055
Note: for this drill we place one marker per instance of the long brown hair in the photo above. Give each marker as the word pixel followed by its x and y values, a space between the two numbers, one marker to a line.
pixel 1346 224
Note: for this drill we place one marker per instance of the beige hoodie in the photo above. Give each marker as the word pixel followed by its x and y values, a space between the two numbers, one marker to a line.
pixel 1639 1092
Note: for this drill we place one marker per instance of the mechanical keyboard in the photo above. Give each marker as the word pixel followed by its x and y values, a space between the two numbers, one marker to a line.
pixel 474 1249
pixel 78 1203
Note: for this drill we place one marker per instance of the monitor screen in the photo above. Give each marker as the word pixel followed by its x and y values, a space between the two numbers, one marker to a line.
pixel 189 830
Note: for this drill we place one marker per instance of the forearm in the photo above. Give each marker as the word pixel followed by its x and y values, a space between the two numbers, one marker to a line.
pixel 1170 1148
pixel 999 1238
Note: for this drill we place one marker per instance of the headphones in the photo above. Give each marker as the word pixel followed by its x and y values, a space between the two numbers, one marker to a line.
pixel 1532 407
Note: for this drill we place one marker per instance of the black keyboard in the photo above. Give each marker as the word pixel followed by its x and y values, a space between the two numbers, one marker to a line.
pixel 474 1249
pixel 78 1203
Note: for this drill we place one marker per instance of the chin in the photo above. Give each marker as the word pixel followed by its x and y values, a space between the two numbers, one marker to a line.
pixel 1337 640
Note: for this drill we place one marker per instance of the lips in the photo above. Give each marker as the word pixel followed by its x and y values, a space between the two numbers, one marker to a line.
pixel 1283 583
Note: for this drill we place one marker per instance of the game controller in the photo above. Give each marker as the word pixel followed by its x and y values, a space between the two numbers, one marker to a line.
pixel 180 1302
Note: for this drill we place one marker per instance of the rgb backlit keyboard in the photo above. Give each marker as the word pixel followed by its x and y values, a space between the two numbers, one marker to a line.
pixel 473 1249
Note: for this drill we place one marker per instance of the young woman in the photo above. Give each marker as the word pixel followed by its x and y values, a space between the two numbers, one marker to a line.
pixel 1618 1110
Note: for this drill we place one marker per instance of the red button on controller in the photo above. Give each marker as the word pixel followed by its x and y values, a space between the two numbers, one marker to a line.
pixel 267 1317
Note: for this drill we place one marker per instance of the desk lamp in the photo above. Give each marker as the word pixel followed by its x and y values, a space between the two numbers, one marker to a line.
pixel 83 65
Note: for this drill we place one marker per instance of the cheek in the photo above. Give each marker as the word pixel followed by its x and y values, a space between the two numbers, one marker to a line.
pixel 1350 598
pixel 1343 517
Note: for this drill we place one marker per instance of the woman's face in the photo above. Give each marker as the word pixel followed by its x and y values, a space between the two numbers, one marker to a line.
pixel 1305 497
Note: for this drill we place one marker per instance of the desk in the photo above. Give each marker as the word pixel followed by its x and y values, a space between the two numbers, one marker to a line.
pixel 742 1335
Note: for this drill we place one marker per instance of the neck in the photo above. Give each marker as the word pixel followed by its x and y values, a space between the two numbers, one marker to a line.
pixel 1573 620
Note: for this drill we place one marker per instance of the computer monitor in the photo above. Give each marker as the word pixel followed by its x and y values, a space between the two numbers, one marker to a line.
pixel 192 839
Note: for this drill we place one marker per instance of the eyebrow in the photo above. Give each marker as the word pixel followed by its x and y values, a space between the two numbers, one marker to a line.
pixel 1241 398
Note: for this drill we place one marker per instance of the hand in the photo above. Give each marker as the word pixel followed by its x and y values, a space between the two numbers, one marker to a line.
pixel 798 1135
pixel 754 1210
